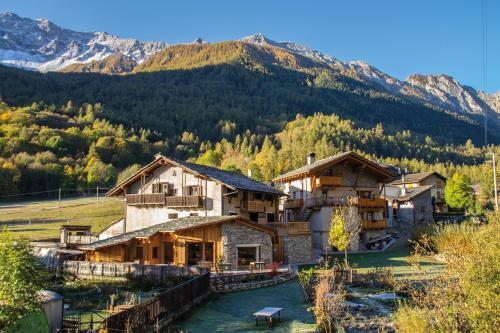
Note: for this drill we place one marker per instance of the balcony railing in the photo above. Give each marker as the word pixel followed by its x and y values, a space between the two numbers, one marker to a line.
pixel 253 206
pixel 81 239
pixel 161 199
pixel 367 202
pixel 328 181
pixel 291 228
pixel 326 202
pixel 293 203
pixel 373 224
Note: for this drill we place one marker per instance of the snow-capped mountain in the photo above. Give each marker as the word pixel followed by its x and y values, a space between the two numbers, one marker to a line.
pixel 441 91
pixel 42 45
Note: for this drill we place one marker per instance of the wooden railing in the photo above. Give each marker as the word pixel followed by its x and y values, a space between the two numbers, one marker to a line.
pixel 293 203
pixel 328 181
pixel 81 239
pixel 324 202
pixel 142 317
pixel 253 206
pixel 367 202
pixel 291 228
pixel 373 224
pixel 192 201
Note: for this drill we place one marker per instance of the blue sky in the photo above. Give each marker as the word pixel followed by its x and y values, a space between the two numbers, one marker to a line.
pixel 398 37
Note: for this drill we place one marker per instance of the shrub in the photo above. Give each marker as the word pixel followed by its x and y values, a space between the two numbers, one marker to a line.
pixel 306 280
pixel 273 266
pixel 329 304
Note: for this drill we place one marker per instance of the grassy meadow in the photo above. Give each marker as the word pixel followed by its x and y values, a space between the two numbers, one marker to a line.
pixel 41 220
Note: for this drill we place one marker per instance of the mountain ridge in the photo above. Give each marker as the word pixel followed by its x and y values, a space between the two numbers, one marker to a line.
pixel 41 45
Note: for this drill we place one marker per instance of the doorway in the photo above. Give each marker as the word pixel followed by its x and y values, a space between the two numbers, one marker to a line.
pixel 193 253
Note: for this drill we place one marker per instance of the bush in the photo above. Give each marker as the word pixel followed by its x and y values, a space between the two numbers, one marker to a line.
pixel 465 297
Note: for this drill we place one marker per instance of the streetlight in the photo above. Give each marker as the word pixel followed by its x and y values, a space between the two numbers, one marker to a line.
pixel 494 179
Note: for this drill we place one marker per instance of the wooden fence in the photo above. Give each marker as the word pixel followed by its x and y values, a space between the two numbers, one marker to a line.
pixel 148 313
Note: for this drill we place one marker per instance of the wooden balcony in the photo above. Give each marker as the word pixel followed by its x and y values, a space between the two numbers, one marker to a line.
pixel 327 181
pixel 185 201
pixel 326 202
pixel 368 203
pixel 294 203
pixel 373 224
pixel 253 206
pixel 81 239
pixel 291 228
pixel 161 199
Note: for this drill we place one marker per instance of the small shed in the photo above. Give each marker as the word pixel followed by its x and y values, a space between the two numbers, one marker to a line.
pixel 52 304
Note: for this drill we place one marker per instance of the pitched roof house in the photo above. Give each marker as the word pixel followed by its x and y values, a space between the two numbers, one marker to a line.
pixel 316 188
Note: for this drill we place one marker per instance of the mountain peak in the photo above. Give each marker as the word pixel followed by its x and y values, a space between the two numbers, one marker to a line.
pixel 258 39
pixel 199 41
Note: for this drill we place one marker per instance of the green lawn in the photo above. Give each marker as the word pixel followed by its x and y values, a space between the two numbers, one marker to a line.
pixel 233 312
pixel 395 258
pixel 41 220
pixel 35 322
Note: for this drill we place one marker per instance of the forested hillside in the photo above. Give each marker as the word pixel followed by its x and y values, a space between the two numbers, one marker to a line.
pixel 43 147
pixel 205 89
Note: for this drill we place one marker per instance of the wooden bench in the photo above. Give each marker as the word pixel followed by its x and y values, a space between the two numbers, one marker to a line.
pixel 258 264
pixel 268 313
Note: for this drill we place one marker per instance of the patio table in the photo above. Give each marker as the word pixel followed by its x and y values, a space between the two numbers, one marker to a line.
pixel 268 313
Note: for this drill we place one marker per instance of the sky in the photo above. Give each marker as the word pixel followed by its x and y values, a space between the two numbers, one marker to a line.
pixel 398 37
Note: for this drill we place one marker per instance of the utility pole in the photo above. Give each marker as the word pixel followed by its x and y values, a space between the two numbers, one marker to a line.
pixel 97 196
pixel 495 189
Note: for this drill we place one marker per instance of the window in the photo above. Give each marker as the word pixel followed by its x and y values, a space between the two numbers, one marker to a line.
pixel 422 209
pixel 193 214
pixel 254 217
pixel 139 254
pixel 270 217
pixel 193 253
pixel 232 213
pixel 257 196
pixel 209 252
pixel 168 253
pixel 173 216
pixel 192 190
pixel 155 252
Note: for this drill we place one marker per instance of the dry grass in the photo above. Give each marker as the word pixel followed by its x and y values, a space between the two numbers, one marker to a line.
pixel 41 220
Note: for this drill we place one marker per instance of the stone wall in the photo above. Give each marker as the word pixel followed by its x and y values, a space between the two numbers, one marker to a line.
pixel 222 284
pixel 299 249
pixel 234 234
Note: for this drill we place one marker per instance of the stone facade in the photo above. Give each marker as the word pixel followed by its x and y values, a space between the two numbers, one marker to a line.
pixel 299 249
pixel 416 211
pixel 236 234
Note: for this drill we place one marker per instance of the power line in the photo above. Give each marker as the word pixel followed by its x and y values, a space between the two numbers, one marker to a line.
pixel 484 24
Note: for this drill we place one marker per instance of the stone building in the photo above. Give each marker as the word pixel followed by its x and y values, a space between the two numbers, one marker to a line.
pixel 318 188
pixel 414 206
pixel 433 179
pixel 193 240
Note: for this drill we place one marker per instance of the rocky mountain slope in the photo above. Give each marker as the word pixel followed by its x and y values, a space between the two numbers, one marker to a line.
pixel 41 45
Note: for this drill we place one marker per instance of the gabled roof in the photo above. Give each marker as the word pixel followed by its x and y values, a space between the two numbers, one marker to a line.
pixel 231 179
pixel 173 226
pixel 306 170
pixel 416 177
pixel 413 192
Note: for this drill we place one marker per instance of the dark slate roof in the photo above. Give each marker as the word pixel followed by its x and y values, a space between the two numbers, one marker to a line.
pixel 309 167
pixel 234 180
pixel 170 226
pixel 415 178
pixel 231 178
pixel 413 192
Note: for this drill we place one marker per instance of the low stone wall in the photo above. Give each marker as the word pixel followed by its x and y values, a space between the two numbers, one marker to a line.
pixel 228 283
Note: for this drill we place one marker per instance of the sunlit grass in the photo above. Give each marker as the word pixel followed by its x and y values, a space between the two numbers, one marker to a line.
pixel 41 220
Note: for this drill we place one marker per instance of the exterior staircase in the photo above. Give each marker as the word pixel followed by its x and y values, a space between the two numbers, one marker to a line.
pixel 304 215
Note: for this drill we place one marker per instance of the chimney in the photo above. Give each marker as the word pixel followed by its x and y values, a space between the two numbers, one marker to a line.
pixel 158 155
pixel 403 189
pixel 311 158
pixel 249 173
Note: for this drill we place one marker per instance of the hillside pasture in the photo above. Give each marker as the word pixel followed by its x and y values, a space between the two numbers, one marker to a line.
pixel 41 220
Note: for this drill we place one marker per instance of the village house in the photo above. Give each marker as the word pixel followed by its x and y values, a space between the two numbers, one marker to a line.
pixel 412 206
pixel 318 188
pixel 223 213
pixel 167 189
pixel 433 179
